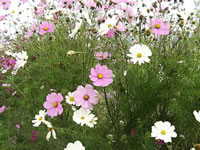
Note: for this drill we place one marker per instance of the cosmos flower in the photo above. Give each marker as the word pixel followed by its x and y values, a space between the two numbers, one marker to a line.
pixel 46 27
pixel 53 104
pixel 70 98
pixel 86 96
pixel 81 116
pixel 2 109
pixel 75 146
pixel 39 118
pixel 159 27
pixel 101 75
pixel 4 4
pixel 102 55
pixel 163 131
pixel 51 131
pixel 139 53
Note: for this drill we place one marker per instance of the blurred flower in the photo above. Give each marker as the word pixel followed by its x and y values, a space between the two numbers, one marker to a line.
pixel 2 18
pixel 18 126
pixel 6 85
pixel 39 118
pixel 34 136
pixel 70 53
pixel 109 24
pixel 159 27
pixel 9 63
pixel 133 131
pixel 81 116
pixel 197 115
pixel 75 30
pixel 75 146
pixel 4 4
pixel 163 131
pixel 102 55
pixel 139 53
pixel 85 96
pixel 2 109
pixel 46 27
pixel 159 142
pixel 70 98
pixel 91 120
pixel 53 104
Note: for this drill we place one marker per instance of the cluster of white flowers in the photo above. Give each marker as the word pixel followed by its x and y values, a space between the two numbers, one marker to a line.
pixel 75 146
pixel 41 119
pixel 85 117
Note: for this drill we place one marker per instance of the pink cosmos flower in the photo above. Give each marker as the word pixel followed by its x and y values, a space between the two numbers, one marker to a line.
pixel 46 27
pixel 101 75
pixel 9 63
pixel 34 136
pixel 53 104
pixel 4 4
pixel 90 3
pixel 2 18
pixel 2 109
pixel 18 126
pixel 39 12
pixel 102 55
pixel 24 1
pixel 159 27
pixel 85 97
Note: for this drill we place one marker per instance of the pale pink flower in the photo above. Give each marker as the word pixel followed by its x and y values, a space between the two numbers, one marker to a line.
pixel 46 27
pixel 53 104
pixel 4 4
pixel 90 3
pixel 159 27
pixel 101 75
pixel 2 109
pixel 2 18
pixel 18 126
pixel 85 96
pixel 9 63
pixel 102 55
pixel 39 12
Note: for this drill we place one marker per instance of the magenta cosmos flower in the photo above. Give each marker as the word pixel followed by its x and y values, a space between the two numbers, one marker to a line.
pixel 101 76
pixel 159 27
pixel 85 96
pixel 53 104
pixel 46 27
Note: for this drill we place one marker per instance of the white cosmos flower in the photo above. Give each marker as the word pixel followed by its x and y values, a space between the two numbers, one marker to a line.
pixel 81 116
pixel 70 98
pixel 51 130
pixel 39 118
pixel 91 120
pixel 110 23
pixel 163 131
pixel 75 146
pixel 197 115
pixel 139 53
pixel 75 30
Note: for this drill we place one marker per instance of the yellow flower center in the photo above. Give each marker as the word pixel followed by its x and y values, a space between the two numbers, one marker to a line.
pixel 109 25
pixel 3 3
pixel 115 27
pixel 13 11
pixel 163 132
pixel 157 26
pixel 55 104
pixel 91 121
pixel 82 117
pixel 100 76
pixel 71 99
pixel 139 55
pixel 86 97
pixel 40 118
pixel 1 18
pixel 101 56
pixel 46 28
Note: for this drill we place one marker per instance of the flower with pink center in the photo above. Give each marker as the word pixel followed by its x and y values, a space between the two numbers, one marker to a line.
pixel 101 75
pixel 159 27
pixel 9 63
pixel 46 27
pixel 4 4
pixel 2 109
pixel 86 96
pixel 53 104
pixel 102 55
